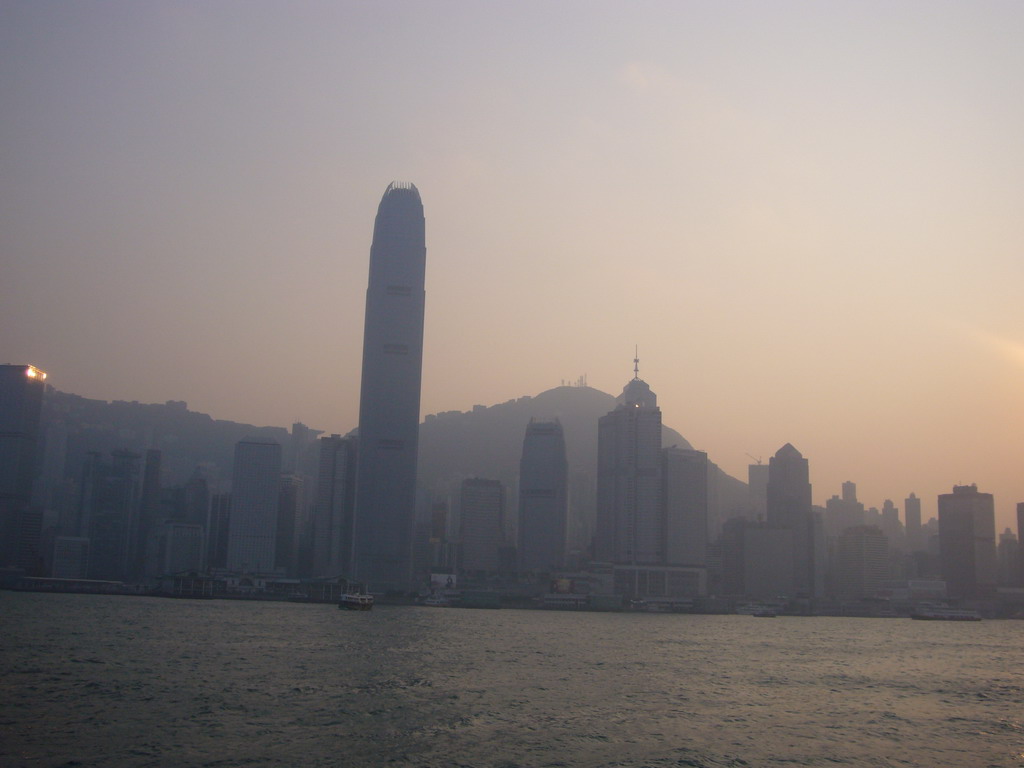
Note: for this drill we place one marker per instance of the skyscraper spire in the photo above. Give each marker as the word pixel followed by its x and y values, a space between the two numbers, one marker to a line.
pixel 636 362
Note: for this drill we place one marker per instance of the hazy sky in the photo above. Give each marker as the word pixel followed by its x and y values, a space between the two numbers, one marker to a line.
pixel 809 216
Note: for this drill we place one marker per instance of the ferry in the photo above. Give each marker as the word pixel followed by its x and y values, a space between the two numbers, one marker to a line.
pixel 353 601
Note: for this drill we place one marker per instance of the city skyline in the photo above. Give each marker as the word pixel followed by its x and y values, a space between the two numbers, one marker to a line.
pixel 805 216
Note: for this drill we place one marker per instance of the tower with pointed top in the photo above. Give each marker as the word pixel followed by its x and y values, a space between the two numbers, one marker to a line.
pixel 630 525
pixel 389 401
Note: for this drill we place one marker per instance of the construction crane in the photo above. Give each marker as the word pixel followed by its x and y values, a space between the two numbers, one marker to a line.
pixel 755 458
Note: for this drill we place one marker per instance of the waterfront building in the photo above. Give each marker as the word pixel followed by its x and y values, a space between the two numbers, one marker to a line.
pixel 967 542
pixel 217 530
pixel 108 513
pixel 150 513
pixel 255 496
pixel 335 506
pixel 863 562
pixel 790 508
pixel 21 401
pixel 482 526
pixel 70 557
pixel 685 499
pixel 180 547
pixel 543 498
pixel 389 401
pixel 630 528
pixel 291 511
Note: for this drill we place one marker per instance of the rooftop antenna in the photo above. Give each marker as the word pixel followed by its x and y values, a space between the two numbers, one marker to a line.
pixel 636 362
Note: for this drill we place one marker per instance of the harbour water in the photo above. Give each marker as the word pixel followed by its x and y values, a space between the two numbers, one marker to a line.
pixel 93 680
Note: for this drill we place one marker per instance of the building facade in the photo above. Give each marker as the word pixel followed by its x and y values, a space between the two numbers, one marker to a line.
pixel 335 507
pixel 482 525
pixel 630 527
pixel 21 402
pixel 389 403
pixel 685 500
pixel 967 542
pixel 255 497
pixel 543 498
pixel 790 508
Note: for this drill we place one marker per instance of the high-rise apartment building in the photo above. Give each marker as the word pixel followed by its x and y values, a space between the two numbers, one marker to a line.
pixel 543 497
pixel 630 527
pixel 967 542
pixel 21 403
pixel 255 497
pixel 482 525
pixel 335 503
pixel 389 402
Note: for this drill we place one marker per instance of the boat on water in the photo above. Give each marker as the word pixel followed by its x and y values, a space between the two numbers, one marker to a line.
pixel 354 601
pixel 934 613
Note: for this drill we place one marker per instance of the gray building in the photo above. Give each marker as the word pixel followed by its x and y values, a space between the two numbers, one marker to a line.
pixel 21 401
pixel 967 542
pixel 862 562
pixel 334 507
pixel 543 497
pixel 630 527
pixel 255 498
pixel 482 525
pixel 389 403
pixel 685 499
pixel 790 508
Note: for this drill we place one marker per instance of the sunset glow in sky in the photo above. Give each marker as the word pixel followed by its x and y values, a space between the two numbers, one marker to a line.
pixel 809 216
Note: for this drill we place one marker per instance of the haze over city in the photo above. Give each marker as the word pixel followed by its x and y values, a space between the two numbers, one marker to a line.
pixel 806 216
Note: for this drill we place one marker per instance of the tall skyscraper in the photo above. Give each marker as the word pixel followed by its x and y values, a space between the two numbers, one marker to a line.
pixel 543 497
pixel 789 507
pixel 630 526
pixel 255 496
pixel 335 499
pixel 967 541
pixel 389 402
pixel 21 403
